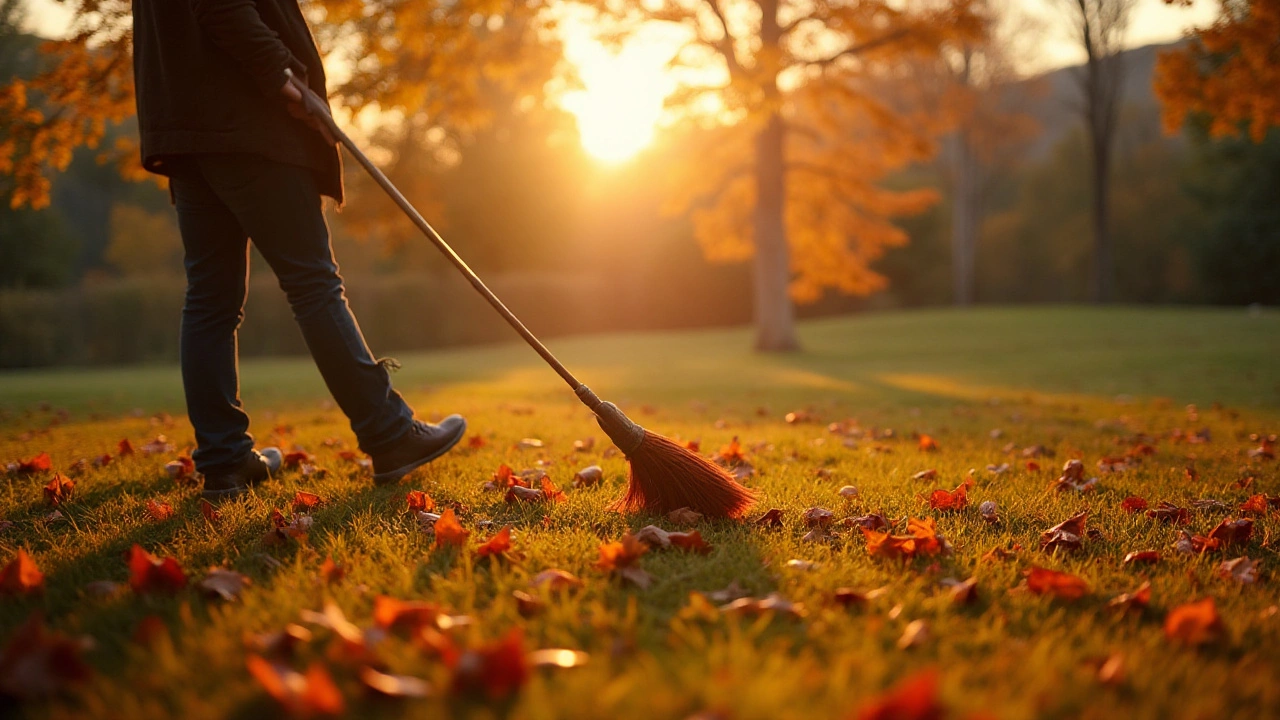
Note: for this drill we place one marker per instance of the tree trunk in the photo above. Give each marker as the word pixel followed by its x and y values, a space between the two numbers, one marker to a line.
pixel 965 213
pixel 775 317
pixel 774 314
pixel 1103 275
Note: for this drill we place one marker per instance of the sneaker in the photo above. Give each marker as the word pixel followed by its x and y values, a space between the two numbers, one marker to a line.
pixel 422 444
pixel 253 469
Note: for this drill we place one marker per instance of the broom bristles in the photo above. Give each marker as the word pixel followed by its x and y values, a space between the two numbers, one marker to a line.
pixel 666 476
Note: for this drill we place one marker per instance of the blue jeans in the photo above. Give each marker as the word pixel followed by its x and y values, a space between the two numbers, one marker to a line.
pixel 222 202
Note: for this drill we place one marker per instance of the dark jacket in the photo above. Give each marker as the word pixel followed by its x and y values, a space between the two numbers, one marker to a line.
pixel 208 74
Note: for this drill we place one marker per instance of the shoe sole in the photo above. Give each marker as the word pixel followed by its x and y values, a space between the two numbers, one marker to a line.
pixel 391 476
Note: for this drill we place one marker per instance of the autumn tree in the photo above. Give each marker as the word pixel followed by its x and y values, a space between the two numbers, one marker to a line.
pixel 1100 27
pixel 414 72
pixel 981 90
pixel 795 131
pixel 1228 73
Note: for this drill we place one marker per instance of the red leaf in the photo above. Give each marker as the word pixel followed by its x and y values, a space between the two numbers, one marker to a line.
pixel 1142 556
pixel 624 553
pixel 1194 623
pixel 210 513
pixel 303 501
pixel 159 510
pixel 449 531
pixel 300 695
pixel 915 698
pixel 58 490
pixel 1232 532
pixel 420 501
pixel 125 448
pixel 1066 535
pixel 21 576
pixel 928 444
pixel 1043 581
pixel 297 458
pixel 1137 600
pixel 148 573
pixel 40 663
pixel 922 539
pixel 1133 504
pixel 550 491
pixel 951 500
pixel 1168 512
pixel 411 616
pixel 496 545
pixel 731 454
pixel 497 668
pixel 476 441
pixel 691 541
pixel 36 464
pixel 331 572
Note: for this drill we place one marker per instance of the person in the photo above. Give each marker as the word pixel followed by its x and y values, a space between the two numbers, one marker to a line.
pixel 217 115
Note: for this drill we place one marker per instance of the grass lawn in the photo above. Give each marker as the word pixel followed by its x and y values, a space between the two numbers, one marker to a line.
pixel 986 385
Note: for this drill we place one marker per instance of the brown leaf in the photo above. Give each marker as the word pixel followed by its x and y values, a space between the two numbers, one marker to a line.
pixel 1241 569
pixel 684 516
pixel 922 539
pixel 527 605
pixel 916 633
pixel 396 686
pixel 498 668
pixel 419 501
pixel 1194 623
pixel 1133 504
pixel 773 602
pixel 654 536
pixel 40 663
pixel 225 584
pixel 1142 556
pixel 870 521
pixel 280 644
pixel 449 531
pixel 1167 512
pixel 159 510
pixel 148 574
pixel 524 494
pixel 964 592
pixel 1066 535
pixel 691 541
pixel 210 513
pixel 407 615
pixel 925 474
pixel 555 580
pixel 1138 600
pixel 36 464
pixel 816 517
pixel 588 476
pixel 1232 532
pixel 771 519
pixel 58 491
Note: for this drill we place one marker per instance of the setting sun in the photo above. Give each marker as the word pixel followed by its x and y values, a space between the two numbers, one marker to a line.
pixel 620 102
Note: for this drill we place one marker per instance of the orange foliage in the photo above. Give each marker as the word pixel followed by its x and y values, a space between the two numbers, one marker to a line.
pixel 496 545
pixel 1043 581
pixel 449 531
pixel 1195 623
pixel 1228 72
pixel 921 539
pixel 21 576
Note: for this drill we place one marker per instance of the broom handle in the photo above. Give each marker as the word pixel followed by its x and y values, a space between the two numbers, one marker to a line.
pixel 318 108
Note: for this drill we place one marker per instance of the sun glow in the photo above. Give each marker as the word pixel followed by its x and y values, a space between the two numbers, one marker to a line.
pixel 620 103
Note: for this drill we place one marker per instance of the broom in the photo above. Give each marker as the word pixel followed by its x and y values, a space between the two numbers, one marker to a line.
pixel 664 475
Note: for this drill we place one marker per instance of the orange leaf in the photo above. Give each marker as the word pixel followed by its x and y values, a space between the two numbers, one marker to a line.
pixel 496 545
pixel 550 491
pixel 420 501
pixel 148 573
pixel 35 464
pixel 21 576
pixel 1064 585
pixel 915 698
pixel 1137 600
pixel 731 454
pixel 498 668
pixel 556 579
pixel 159 510
pixel 306 501
pixel 58 490
pixel 617 555
pixel 928 444
pixel 125 448
pixel 390 613
pixel 449 531
pixel 1195 623
pixel 476 441
pixel 1133 504
pixel 331 572
pixel 210 513
pixel 954 500
pixel 691 540
pixel 300 695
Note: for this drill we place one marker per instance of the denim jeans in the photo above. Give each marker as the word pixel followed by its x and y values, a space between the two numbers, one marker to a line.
pixel 222 202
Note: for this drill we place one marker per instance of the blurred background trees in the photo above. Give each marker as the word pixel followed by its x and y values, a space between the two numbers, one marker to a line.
pixel 928 167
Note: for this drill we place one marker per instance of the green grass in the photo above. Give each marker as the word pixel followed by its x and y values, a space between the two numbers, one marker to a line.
pixel 1082 382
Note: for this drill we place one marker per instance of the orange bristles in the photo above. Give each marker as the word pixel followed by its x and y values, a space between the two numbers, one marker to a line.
pixel 665 476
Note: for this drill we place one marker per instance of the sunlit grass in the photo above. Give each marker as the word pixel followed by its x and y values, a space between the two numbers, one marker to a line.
pixel 1039 377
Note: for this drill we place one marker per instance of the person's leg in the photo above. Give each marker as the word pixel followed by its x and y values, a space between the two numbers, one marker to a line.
pixel 216 259
pixel 280 207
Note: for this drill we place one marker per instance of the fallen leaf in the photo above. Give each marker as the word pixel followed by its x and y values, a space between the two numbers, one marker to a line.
pixel 209 512
pixel 584 445
pixel 1194 623
pixel 296 458
pixel 816 517
pixel 963 592
pixel 1043 581
pixel 728 593
pixel 987 510
pixel 21 576
pixel 916 633
pixel 928 444
pixel 527 605
pixel 1111 670
pixel 529 443
pixel 282 529
pixel 922 539
pixel 557 658
pixel 771 519
pixel 449 531
pixel 181 470
pixel 654 536
pixel 1142 556
pixel 771 603
pixel 1066 535
pixel 395 686
pixel 1241 569
pixel 419 501
pixel 551 492
pixel 159 446
pixel 691 541
pixel 159 510
pixel 524 494
pixel 555 580
pixel 620 558
pixel 1259 504
pixel 497 545
pixel 951 500
pixel 124 448
pixel 915 698
pixel 1138 600
pixel 1231 532
pixel 684 516
pixel 498 668
pixel 848 491
pixel 303 501
pixel 148 574
pixel 225 584
pixel 870 521
pixel 38 463
pixel 58 491
pixel 38 662
pixel 476 441
pixel 588 476
pixel 1167 512
pixel 925 474
pixel 731 454
pixel 300 695
pixel 1133 504
pixel 332 573
pixel 406 615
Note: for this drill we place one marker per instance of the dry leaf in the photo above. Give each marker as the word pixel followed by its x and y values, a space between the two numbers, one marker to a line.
pixel 225 584
pixel 816 517
pixel 209 512
pixel 870 521
pixel 915 698
pixel 773 602
pixel 1138 600
pixel 449 531
pixel 684 516
pixel 148 573
pixel 38 662
pixel 159 510
pixel 771 519
pixel 1231 532
pixel 36 464
pixel 300 695
pixel 987 510
pixel 1133 504
pixel 555 580
pixel 303 501
pixel 1142 556
pixel 922 539
pixel 498 669
pixel 21 576
pixel 588 476
pixel 1043 581
pixel 1066 535
pixel 916 633
pixel 331 573
pixel 419 501
pixel 729 593
pixel 925 474
pixel 58 491
pixel 527 605
pixel 406 615
pixel 396 686
pixel 1241 569
pixel 1194 623
pixel 497 545
pixel 928 444
pixel 951 500
pixel 963 592
pixel 848 491
pixel 1169 513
